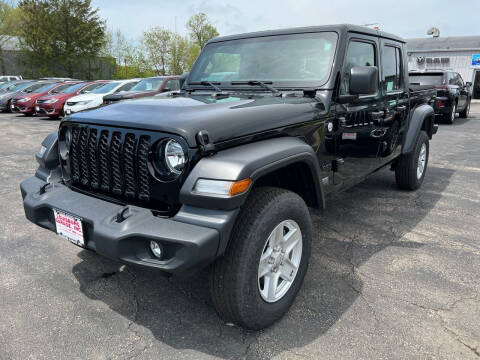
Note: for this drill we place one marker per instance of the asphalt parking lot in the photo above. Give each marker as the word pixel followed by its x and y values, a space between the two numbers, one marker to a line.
pixel 393 275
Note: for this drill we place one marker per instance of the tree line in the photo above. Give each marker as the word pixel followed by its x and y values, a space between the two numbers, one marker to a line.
pixel 67 36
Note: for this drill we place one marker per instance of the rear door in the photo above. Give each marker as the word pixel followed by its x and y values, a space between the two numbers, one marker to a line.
pixel 395 90
pixel 355 138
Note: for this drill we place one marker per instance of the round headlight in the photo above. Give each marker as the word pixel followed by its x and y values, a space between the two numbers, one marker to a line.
pixel 68 137
pixel 175 158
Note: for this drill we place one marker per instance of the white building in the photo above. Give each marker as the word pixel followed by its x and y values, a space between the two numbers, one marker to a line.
pixel 461 53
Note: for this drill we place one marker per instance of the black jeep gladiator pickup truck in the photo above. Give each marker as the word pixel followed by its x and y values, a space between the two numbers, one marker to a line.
pixel 222 172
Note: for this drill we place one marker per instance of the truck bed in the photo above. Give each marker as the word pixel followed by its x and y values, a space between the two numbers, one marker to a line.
pixel 420 94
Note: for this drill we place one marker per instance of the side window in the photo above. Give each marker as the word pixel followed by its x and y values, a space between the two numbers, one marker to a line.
pixel 392 68
pixel 126 87
pixel 452 79
pixel 172 85
pixel 90 88
pixel 359 53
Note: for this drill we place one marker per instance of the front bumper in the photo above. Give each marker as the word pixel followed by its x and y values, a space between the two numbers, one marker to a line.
pixel 47 109
pixel 187 239
pixel 71 109
pixel 26 108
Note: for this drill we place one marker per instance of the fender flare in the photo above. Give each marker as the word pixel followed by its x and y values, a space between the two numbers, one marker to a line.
pixel 252 161
pixel 417 119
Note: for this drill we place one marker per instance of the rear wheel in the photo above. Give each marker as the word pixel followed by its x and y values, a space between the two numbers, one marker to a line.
pixel 466 111
pixel 450 117
pixel 411 168
pixel 256 282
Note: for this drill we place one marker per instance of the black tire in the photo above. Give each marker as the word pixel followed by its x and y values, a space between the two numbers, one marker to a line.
pixel 406 167
pixel 234 277
pixel 466 111
pixel 450 117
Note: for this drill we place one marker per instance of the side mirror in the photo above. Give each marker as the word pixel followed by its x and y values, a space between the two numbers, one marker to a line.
pixel 363 80
pixel 183 78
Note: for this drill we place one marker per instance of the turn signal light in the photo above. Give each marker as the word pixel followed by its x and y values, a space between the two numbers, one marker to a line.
pixel 221 187
pixel 239 187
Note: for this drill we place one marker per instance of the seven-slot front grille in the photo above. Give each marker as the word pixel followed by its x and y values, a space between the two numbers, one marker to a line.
pixel 114 162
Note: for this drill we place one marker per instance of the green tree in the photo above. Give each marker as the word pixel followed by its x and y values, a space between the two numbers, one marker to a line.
pixel 61 36
pixel 201 30
pixel 9 26
pixel 157 42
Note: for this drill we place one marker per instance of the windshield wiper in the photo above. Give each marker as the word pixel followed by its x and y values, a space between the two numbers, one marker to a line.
pixel 263 84
pixel 206 83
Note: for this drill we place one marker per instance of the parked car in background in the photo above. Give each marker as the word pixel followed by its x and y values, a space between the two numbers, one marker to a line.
pixel 14 90
pixel 5 78
pixel 24 102
pixel 453 94
pixel 146 87
pixel 94 98
pixel 51 105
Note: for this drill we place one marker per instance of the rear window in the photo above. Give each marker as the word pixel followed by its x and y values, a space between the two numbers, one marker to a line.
pixel 427 79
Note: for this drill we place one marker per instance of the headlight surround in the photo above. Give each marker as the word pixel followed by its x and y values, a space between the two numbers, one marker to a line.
pixel 174 157
pixel 65 139
pixel 171 159
pixel 50 101
pixel 24 99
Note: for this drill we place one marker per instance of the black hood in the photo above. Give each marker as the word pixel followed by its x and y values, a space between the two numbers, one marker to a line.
pixel 224 119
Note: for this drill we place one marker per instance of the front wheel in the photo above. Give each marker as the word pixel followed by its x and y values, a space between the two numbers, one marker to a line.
pixel 256 281
pixel 411 168
pixel 466 111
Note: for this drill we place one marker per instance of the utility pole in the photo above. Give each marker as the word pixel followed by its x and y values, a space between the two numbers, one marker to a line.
pixel 126 69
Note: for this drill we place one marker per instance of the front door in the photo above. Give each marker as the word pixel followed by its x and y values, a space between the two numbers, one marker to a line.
pixel 355 137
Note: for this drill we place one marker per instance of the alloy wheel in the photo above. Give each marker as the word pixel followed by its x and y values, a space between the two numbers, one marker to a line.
pixel 422 160
pixel 279 261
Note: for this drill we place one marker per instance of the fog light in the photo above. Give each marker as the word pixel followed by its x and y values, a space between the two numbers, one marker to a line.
pixel 156 249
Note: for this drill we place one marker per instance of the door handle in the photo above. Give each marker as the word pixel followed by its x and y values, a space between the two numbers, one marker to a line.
pixel 401 108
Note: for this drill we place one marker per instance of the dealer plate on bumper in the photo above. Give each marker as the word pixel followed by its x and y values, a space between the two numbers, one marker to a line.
pixel 69 227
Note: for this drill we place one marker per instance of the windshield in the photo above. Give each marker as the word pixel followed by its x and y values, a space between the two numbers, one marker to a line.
pixel 106 88
pixel 152 84
pixel 426 79
pixel 70 89
pixel 287 60
pixel 6 86
pixel 19 86
pixel 40 88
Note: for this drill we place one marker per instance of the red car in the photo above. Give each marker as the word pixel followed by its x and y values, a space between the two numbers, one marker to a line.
pixel 146 87
pixel 26 103
pixel 52 104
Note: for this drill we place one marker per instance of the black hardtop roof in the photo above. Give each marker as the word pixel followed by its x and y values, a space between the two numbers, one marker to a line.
pixel 341 28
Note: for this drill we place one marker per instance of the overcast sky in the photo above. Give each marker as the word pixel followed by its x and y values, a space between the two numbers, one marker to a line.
pixel 407 18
